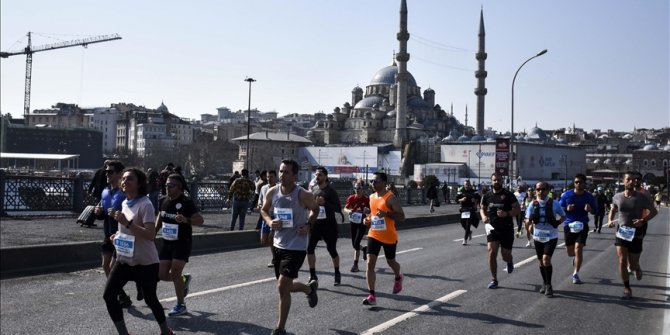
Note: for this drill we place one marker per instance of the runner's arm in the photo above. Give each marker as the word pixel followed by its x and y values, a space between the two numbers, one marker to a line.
pixel 396 212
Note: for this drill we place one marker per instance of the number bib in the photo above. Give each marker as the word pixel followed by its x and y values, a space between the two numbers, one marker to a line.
pixel 356 217
pixel 377 223
pixel 465 215
pixel 625 233
pixel 489 228
pixel 285 215
pixel 124 244
pixel 322 213
pixel 576 226
pixel 541 235
pixel 170 231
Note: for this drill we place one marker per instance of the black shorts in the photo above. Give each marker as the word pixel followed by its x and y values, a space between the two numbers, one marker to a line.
pixel 503 234
pixel 634 246
pixel 287 262
pixel 545 248
pixel 572 238
pixel 107 247
pixel 321 231
pixel 375 246
pixel 180 250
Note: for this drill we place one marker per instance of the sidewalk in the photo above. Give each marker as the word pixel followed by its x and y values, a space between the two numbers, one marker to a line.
pixel 17 231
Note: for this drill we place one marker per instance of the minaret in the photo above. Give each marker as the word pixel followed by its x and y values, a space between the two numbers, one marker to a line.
pixel 400 135
pixel 480 74
pixel 466 116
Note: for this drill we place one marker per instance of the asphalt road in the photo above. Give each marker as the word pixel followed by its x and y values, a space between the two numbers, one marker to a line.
pixel 444 292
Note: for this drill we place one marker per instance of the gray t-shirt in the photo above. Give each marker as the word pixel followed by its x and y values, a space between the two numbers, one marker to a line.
pixel 630 208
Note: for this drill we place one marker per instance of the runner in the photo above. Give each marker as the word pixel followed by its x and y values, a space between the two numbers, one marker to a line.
pixel 468 199
pixel 603 204
pixel 266 232
pixel 112 198
pixel 137 257
pixel 326 224
pixel 530 196
pixel 578 203
pixel 631 229
pixel 657 198
pixel 177 214
pixel 498 208
pixel 290 205
pixel 385 211
pixel 357 206
pixel 543 218
pixel 520 194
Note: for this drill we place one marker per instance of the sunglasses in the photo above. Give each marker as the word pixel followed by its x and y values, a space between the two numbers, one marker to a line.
pixel 540 189
pixel 375 181
pixel 109 171
pixel 170 185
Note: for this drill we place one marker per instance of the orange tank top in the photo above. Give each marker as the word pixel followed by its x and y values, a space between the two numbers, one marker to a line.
pixel 382 230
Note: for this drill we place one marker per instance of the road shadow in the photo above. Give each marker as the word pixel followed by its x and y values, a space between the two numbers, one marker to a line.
pixel 201 322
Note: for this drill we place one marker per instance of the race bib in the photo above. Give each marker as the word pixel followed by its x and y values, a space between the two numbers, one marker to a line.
pixel 322 213
pixel 489 228
pixel 356 217
pixel 377 223
pixel 625 233
pixel 576 226
pixel 170 231
pixel 285 215
pixel 541 235
pixel 465 215
pixel 124 244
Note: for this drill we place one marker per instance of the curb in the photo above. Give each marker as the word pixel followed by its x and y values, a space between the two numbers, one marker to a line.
pixel 73 256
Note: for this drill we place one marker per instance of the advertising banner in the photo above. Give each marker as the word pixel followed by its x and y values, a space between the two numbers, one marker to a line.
pixel 502 156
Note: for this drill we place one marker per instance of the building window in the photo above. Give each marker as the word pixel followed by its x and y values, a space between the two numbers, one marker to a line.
pixel 665 163
pixel 645 163
pixel 653 163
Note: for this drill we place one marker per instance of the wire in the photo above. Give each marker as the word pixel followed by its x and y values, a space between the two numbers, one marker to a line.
pixel 438 45
pixel 441 65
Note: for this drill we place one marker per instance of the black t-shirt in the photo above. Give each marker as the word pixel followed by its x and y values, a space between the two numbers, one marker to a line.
pixel 501 200
pixel 170 209
pixel 471 198
pixel 331 205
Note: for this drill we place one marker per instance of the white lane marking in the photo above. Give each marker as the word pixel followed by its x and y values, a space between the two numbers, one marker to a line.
pixel 221 289
pixel 460 239
pixel 402 252
pixel 260 281
pixel 422 309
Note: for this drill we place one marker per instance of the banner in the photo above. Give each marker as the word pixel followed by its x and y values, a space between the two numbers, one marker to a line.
pixel 502 156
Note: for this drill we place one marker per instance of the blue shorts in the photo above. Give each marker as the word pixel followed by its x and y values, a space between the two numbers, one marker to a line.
pixel 265 229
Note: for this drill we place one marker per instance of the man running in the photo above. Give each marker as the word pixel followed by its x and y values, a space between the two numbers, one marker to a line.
pixel 177 215
pixel 578 203
pixel 603 204
pixel 385 211
pixel 326 224
pixel 285 209
pixel 543 218
pixel 468 199
pixel 357 206
pixel 266 231
pixel 631 228
pixel 112 198
pixel 498 208
pixel 520 195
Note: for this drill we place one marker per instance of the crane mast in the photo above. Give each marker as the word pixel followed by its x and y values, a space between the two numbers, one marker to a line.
pixel 29 51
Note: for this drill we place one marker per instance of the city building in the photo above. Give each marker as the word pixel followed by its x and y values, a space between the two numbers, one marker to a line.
pixel 267 149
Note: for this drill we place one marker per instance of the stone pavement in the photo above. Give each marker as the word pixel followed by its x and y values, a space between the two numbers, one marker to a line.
pixel 23 229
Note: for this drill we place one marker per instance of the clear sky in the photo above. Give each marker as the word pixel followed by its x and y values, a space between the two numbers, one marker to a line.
pixel 607 65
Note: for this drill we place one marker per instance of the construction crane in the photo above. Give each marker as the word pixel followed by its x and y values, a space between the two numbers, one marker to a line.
pixel 30 50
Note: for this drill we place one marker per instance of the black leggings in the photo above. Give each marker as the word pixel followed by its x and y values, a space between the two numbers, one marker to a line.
pixel 146 276
pixel 598 219
pixel 358 230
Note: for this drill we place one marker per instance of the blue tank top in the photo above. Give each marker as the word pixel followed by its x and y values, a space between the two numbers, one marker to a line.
pixel 288 238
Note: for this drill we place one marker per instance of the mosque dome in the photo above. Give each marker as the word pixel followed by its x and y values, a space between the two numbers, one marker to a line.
pixel 369 102
pixel 478 138
pixel 537 134
pixel 416 102
pixel 386 76
pixel 162 108
pixel 650 146
pixel 416 125
pixel 463 138
pixel 450 138
pixel 666 148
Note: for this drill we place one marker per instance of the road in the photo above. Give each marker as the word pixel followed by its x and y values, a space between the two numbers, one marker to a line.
pixel 444 292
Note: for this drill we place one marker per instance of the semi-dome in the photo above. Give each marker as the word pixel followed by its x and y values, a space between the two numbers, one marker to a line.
pixel 463 138
pixel 369 102
pixel 386 76
pixel 650 146
pixel 416 102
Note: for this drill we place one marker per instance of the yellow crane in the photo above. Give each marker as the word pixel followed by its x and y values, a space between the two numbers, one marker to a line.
pixel 29 50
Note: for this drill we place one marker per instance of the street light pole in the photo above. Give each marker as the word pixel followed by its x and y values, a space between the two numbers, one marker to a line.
pixel 246 163
pixel 511 139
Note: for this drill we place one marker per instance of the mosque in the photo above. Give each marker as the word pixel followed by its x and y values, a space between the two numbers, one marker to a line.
pixel 392 108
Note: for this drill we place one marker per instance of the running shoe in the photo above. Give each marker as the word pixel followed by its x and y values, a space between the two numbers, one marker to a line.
pixel 543 289
pixel 510 267
pixel 124 300
pixel 493 284
pixel 178 309
pixel 470 236
pixel 278 331
pixel 187 282
pixel 518 234
pixel 397 285
pixel 312 298
pixel 529 244
pixel 370 300
pixel 465 241
pixel 549 292
pixel 354 268
pixel 365 252
pixel 271 265
pixel 575 279
pixel 627 295
pixel 338 278
pixel 638 273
